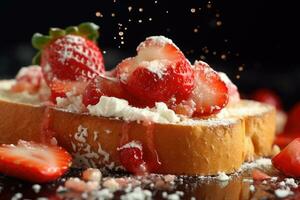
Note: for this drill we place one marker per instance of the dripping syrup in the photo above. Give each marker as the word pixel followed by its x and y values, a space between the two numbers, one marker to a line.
pixel 151 159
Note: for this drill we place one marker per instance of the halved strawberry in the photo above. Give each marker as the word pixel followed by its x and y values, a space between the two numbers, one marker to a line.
pixel 69 55
pixel 28 79
pixel 132 158
pixel 210 94
pixel 34 162
pixel 159 72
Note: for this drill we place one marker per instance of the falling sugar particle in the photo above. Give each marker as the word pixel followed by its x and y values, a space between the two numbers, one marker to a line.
pixel 113 14
pixel 202 57
pixel 115 38
pixel 129 8
pixel 125 28
pixel 238 76
pixel 241 68
pixel 122 42
pixel 129 20
pixel 98 14
pixel 141 9
pixel 214 53
pixel 104 52
pixel 209 5
pixel 196 30
pixel 121 33
pixel 218 23
pixel 119 46
pixel 140 21
pixel 155 1
pixel 223 57
pixel 167 11
pixel 205 50
pixel 122 38
pixel 217 15
pixel 150 19
pixel 193 10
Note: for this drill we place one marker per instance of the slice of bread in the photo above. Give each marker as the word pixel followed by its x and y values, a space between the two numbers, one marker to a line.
pixel 195 146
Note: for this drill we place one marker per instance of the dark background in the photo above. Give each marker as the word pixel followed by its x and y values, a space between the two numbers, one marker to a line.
pixel 255 42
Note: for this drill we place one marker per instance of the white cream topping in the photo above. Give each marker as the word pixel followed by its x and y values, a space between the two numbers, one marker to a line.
pixel 115 107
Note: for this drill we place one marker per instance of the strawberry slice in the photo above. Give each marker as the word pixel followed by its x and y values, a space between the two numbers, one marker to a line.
pixel 210 94
pixel 159 72
pixel 34 162
pixel 28 79
pixel 288 160
pixel 132 158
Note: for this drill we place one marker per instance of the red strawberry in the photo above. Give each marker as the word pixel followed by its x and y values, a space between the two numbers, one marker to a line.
pixel 34 162
pixel 210 94
pixel 28 79
pixel 131 157
pixel 159 73
pixel 69 55
pixel 102 85
pixel 267 96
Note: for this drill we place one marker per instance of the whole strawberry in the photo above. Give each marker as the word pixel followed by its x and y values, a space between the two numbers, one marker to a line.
pixel 69 55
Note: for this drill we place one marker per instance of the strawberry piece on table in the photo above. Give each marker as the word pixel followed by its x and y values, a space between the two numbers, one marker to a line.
pixel 288 160
pixel 69 55
pixel 159 72
pixel 210 94
pixel 28 79
pixel 34 162
pixel 267 96
pixel 259 175
pixel 132 158
pixel 293 120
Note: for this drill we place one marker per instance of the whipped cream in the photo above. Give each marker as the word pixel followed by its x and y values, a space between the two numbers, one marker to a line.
pixel 120 108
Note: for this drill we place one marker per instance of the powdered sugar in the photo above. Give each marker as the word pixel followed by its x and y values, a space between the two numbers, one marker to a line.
pixel 156 66
pixel 156 40
pixel 132 144
pixel 244 108
pixel 84 154
pixel 72 102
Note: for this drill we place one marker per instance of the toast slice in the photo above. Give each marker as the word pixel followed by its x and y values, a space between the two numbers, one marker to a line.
pixel 192 147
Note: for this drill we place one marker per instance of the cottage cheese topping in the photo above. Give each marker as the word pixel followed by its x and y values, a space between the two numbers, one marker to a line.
pixel 114 107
